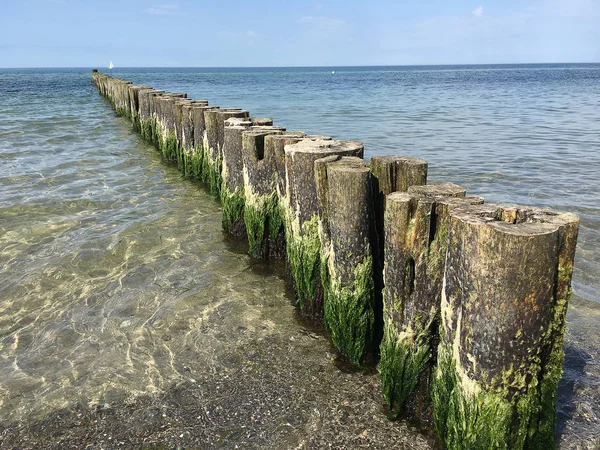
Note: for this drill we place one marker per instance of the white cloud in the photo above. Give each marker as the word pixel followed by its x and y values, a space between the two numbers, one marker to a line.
pixel 477 12
pixel 163 10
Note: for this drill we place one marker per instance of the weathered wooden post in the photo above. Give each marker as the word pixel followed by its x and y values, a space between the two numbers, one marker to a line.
pixel 390 174
pixel 275 159
pixel 160 103
pixel 134 104
pixel 187 137
pixel 196 154
pixel 261 210
pixel 119 96
pixel 395 174
pixel 177 111
pixel 232 188
pixel 415 230
pixel 214 135
pixel 147 123
pixel 302 234
pixel 506 289
pixel 347 231
pixel 167 119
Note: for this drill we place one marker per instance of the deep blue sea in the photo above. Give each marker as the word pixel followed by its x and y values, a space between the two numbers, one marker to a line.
pixel 116 280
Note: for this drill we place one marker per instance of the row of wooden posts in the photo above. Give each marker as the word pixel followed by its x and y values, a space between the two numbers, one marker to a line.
pixel 463 303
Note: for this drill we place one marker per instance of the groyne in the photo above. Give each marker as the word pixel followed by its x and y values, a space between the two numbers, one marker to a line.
pixel 464 302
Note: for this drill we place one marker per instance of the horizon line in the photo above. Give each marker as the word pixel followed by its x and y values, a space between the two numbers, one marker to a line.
pixel 303 66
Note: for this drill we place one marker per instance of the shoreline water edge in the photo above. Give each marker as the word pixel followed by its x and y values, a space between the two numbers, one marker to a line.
pixel 464 301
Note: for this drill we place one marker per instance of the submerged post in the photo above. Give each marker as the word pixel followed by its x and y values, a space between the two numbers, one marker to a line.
pixel 504 303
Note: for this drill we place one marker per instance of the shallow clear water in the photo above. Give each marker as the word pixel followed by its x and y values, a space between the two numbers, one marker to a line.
pixel 116 280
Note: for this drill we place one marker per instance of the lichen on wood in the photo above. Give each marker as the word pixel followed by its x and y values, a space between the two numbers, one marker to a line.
pixel 346 231
pixel 261 211
pixel 232 188
pixel 505 295
pixel 416 230
pixel 301 216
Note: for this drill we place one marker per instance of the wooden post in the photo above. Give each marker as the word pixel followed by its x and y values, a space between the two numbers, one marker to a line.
pixel 214 136
pixel 415 243
pixel 390 174
pixel 346 224
pixel 302 235
pixel 506 290
pixel 274 146
pixel 261 202
pixel 232 189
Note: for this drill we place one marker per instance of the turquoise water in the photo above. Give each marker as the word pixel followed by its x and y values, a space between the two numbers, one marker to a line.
pixel 117 281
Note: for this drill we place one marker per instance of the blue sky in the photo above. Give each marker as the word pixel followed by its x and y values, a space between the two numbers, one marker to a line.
pixel 186 33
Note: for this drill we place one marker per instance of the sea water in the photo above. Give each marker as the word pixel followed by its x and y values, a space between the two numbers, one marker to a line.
pixel 116 282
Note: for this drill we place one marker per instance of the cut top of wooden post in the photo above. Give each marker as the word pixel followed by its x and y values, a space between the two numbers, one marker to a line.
pixel 238 122
pixel 398 173
pixel 438 190
pixel 261 121
pixel 299 159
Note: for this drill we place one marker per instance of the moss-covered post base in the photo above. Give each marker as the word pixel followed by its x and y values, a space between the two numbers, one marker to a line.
pixel 167 118
pixel 214 137
pixel 194 153
pixel 232 188
pixel 416 237
pixel 274 146
pixel 390 174
pixel 134 105
pixel 346 229
pixel 261 210
pixel 301 217
pixel 146 99
pixel 506 289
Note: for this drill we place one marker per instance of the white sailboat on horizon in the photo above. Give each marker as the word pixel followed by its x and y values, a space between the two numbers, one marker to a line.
pixel 111 65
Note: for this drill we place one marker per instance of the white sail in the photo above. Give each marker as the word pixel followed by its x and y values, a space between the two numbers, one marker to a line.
pixel 111 65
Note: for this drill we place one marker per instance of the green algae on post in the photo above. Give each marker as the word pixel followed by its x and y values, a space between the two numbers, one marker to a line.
pixel 274 146
pixel 213 139
pixel 232 188
pixel 261 208
pixel 416 230
pixel 345 223
pixel 506 290
pixel 195 156
pixel 301 216
pixel 390 174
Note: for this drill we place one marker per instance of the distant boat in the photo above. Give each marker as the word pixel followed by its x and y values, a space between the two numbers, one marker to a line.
pixel 111 65
pixel 332 72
